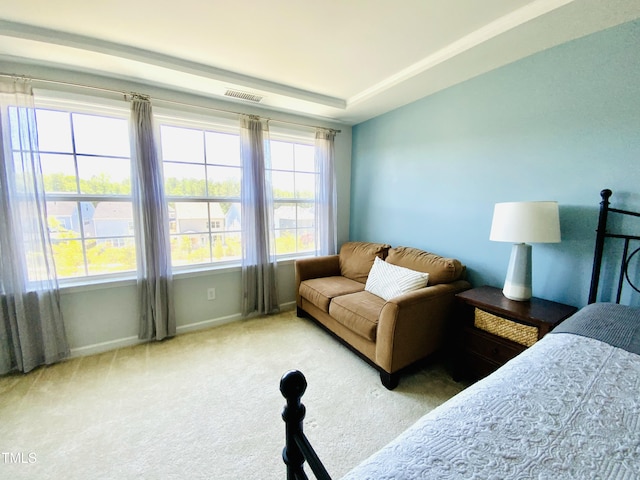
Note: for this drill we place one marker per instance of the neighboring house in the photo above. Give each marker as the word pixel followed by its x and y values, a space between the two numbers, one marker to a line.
pixel 233 219
pixel 68 219
pixel 193 217
pixel 286 217
pixel 113 219
pixel 197 219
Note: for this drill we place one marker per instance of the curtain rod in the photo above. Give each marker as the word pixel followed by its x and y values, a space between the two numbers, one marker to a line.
pixel 130 93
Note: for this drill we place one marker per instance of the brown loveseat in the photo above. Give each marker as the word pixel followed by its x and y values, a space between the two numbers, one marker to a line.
pixel 393 333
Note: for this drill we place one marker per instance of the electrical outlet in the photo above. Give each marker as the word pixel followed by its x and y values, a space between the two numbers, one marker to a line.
pixel 211 294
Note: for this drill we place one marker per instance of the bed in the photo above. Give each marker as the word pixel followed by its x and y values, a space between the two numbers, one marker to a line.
pixel 576 415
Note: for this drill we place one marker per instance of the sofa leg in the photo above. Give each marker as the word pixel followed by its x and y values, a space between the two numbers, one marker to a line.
pixel 390 380
pixel 300 313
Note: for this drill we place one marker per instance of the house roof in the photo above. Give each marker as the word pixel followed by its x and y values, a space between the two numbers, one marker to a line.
pixel 344 61
pixel 113 211
pixel 191 210
pixel 61 209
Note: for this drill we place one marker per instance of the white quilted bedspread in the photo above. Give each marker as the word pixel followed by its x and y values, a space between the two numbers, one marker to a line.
pixel 567 408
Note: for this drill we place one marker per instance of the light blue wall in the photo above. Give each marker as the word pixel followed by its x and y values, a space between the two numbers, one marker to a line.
pixel 559 125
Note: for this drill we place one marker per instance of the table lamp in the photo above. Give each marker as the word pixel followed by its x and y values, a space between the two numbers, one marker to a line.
pixel 522 223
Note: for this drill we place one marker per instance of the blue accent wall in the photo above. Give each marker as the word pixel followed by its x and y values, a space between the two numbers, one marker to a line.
pixel 559 125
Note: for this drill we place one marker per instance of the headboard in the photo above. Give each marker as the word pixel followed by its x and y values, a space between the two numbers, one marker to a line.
pixel 602 233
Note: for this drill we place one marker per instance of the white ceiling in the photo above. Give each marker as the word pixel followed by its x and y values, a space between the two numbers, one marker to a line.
pixel 344 60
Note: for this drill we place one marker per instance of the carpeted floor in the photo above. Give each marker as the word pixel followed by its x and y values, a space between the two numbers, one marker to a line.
pixel 205 405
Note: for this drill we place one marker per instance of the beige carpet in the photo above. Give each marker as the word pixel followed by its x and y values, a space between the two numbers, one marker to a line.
pixel 204 405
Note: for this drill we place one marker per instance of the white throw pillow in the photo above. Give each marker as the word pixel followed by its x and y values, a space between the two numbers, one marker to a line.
pixel 387 281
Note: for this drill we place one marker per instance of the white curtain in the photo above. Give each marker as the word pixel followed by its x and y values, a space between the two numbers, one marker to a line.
pixel 259 289
pixel 326 235
pixel 155 284
pixel 31 326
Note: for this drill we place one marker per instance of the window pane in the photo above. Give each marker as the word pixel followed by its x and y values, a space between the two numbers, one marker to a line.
pixel 104 176
pixel 109 223
pixel 305 185
pixel 64 218
pixel 281 155
pixel 111 255
pixel 202 232
pixel 88 237
pixel 285 242
pixel 232 217
pixel 110 219
pixel 182 144
pixel 95 135
pixel 306 240
pixel 225 223
pixel 305 215
pixel 184 180
pixel 190 249
pixel 205 232
pixel 69 257
pixel 227 246
pixel 224 181
pixel 284 216
pixel 59 173
pixel 54 131
pixel 294 177
pixel 216 218
pixel 223 148
pixel 305 161
pixel 191 217
pixel 283 184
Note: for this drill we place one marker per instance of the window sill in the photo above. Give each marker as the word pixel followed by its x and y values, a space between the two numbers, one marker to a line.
pixel 130 279
pixel 96 283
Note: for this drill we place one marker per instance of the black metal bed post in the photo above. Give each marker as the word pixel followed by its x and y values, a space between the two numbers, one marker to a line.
pixel 599 248
pixel 297 447
pixel 292 386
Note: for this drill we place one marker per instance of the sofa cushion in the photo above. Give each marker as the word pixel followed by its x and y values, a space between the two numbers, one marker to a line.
pixel 440 269
pixel 388 281
pixel 356 258
pixel 320 291
pixel 358 312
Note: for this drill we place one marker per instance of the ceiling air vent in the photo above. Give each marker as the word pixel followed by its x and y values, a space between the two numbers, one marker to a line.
pixel 250 97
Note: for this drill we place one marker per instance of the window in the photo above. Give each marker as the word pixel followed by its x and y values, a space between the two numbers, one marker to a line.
pixel 293 175
pixel 85 154
pixel 87 176
pixel 202 175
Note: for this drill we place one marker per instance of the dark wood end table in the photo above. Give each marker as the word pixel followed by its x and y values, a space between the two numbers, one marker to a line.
pixel 484 347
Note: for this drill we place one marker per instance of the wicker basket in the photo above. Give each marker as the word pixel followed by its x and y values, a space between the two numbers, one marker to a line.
pixel 516 332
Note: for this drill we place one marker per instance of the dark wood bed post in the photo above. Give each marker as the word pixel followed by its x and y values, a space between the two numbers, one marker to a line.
pixel 600 236
pixel 297 447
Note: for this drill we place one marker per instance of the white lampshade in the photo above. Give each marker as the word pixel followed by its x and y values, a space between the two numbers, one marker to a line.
pixel 522 223
pixel 526 222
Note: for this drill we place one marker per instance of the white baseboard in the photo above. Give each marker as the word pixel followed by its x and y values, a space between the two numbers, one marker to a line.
pixel 285 307
pixel 191 327
pixel 216 322
pixel 104 347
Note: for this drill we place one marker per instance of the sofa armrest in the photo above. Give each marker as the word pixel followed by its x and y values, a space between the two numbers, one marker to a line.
pixel 315 267
pixel 412 326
